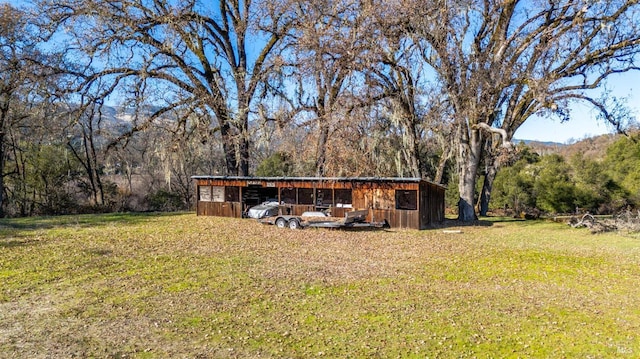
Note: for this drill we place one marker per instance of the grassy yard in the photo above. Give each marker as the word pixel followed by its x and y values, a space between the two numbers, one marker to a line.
pixel 156 286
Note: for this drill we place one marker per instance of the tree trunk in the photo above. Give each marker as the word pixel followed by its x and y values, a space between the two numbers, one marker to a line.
pixel 2 156
pixel 411 149
pixel 93 157
pixel 442 165
pixel 466 185
pixel 468 162
pixel 235 142
pixel 321 151
pixel 242 125
pixel 229 148
pixel 487 185
pixel 21 191
pixel 244 156
pixel 3 120
pixel 89 168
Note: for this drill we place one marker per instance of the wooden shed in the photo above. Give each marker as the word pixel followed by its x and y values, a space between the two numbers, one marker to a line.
pixel 403 202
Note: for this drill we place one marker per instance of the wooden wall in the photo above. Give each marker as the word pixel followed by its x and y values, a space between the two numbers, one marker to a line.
pixel 397 218
pixel 222 209
pixel 378 196
pixel 296 209
pixel 431 204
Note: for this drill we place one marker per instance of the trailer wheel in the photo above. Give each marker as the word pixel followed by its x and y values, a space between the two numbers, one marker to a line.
pixel 294 224
pixel 281 222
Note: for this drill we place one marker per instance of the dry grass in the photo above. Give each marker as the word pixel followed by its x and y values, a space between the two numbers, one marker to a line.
pixel 152 286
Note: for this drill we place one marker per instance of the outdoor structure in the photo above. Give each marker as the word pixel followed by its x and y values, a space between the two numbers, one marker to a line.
pixel 403 202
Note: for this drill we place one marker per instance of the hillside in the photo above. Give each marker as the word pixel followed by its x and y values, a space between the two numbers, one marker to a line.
pixel 593 147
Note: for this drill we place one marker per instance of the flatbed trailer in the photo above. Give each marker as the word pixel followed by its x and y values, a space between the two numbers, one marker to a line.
pixel 353 219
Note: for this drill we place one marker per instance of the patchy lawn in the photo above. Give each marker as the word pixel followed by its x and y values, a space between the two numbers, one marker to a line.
pixel 155 286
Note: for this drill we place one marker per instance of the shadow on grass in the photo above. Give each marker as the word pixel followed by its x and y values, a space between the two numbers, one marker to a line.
pixel 13 226
pixel 450 223
pixel 522 222
pixel 486 222
pixel 15 243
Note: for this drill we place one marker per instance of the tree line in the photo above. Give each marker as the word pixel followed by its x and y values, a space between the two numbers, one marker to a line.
pixel 555 183
pixel 113 105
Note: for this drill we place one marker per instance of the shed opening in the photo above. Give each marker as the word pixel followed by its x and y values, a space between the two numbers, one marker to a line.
pixel 407 199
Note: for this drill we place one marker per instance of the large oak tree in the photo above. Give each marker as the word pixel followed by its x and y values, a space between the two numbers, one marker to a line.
pixel 502 62
pixel 204 60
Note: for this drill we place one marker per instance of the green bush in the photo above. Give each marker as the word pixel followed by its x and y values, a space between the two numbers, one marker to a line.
pixel 165 201
pixel 276 165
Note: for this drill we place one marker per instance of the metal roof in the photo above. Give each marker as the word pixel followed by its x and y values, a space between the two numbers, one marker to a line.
pixel 318 179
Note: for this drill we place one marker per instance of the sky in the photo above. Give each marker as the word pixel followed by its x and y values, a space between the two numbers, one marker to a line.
pixel 583 123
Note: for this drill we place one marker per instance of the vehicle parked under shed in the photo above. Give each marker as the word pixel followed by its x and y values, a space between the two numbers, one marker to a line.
pixel 402 202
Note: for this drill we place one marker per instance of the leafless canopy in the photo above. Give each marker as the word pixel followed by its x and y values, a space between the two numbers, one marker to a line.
pixel 501 62
pixel 206 59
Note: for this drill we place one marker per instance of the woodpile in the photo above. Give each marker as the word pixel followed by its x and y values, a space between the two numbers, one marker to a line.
pixel 627 221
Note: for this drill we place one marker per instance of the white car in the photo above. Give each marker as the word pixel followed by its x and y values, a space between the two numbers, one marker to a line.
pixel 266 209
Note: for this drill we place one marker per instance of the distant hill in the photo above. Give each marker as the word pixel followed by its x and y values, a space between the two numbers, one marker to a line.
pixel 541 147
pixel 592 147
pixel 537 143
pixel 121 119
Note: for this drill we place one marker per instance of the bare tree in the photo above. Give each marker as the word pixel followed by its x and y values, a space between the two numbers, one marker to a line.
pixel 502 62
pixel 347 60
pixel 20 77
pixel 327 47
pixel 202 58
pixel 399 92
pixel 87 142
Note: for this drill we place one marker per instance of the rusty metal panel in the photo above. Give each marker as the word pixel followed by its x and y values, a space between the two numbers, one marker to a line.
pixel 340 212
pixel 296 184
pixel 360 198
pixel 384 198
pixel 328 184
pixel 376 198
pixel 221 182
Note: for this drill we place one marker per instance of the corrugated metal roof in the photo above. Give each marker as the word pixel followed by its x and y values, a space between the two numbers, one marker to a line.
pixel 319 179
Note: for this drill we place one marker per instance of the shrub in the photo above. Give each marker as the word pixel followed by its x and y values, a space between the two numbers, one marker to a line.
pixel 165 201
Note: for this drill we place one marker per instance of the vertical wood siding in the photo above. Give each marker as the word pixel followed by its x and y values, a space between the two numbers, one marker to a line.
pixel 377 196
pixel 221 209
